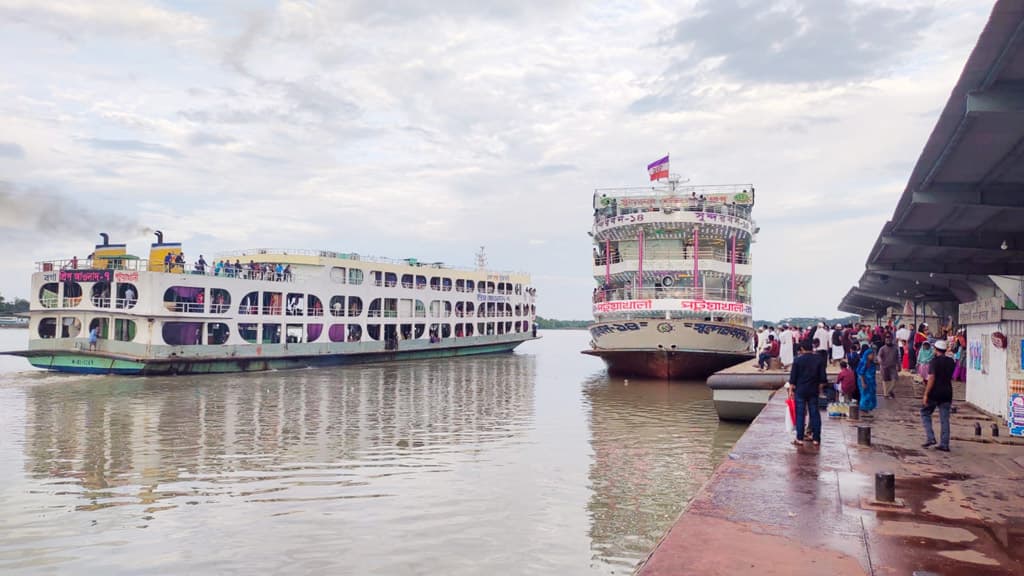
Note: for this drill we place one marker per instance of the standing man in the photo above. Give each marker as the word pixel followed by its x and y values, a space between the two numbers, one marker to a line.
pixel 94 335
pixel 806 380
pixel 938 393
pixel 889 362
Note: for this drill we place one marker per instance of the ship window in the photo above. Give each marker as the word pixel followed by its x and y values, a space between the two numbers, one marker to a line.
pixel 336 333
pixel 460 331
pixel 72 294
pixel 469 310
pixel 124 330
pixel 481 287
pixel 271 333
pixel 293 305
pixel 519 310
pixel 460 285
pixel 313 306
pixel 447 309
pixel 293 333
pixel 460 309
pixel 533 310
pixel 481 328
pixel 127 295
pixel 374 310
pixel 272 304
pixel 518 326
pixel 184 299
pixel 391 307
pixel 355 333
pixel 338 275
pixel 103 324
pixel 390 279
pixel 421 310
pixel 48 295
pixel 217 333
pixel 420 329
pixel 519 288
pixel 446 284
pixel 469 330
pixel 48 326
pixel 70 327
pixel 248 331
pixel 337 306
pixel 490 287
pixel 446 330
pixel 182 333
pixel 405 308
pixel 220 301
pixel 355 306
pixel 435 308
pixel 434 329
pixel 250 304
pixel 508 327
pixel 407 281
pixel 373 330
pixel 101 294
pixel 501 327
pixel 313 332
pixel 469 286
pixel 421 282
pixel 435 283
pixel 355 276
pixel 405 330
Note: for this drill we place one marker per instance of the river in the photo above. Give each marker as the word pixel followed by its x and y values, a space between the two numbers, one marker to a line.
pixel 535 462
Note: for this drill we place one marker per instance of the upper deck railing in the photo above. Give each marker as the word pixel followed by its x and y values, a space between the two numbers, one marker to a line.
pixel 707 190
pixel 253 252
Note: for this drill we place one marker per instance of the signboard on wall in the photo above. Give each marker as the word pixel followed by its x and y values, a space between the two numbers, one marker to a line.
pixel 983 311
pixel 1015 415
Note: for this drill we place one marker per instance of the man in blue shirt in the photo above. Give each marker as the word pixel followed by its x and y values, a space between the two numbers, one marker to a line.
pixel 807 377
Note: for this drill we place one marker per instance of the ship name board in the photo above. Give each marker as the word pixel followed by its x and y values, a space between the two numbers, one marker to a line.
pixel 658 217
pixel 86 275
pixel 491 298
pixel 671 305
pixel 127 276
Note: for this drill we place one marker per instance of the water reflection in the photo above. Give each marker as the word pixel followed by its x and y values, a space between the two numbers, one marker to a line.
pixel 655 444
pixel 306 435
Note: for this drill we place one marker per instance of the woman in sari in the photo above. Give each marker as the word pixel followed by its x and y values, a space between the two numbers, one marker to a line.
pixel 866 375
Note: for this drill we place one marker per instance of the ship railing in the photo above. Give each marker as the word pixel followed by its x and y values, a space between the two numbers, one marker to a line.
pixel 680 190
pixel 675 254
pixel 614 210
pixel 720 294
pixel 112 263
pixel 254 252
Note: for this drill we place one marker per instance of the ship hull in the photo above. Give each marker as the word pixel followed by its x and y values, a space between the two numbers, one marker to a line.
pixel 82 362
pixel 674 349
pixel 666 364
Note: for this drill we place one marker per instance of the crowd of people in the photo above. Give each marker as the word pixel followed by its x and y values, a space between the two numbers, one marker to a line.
pixel 865 353
pixel 175 262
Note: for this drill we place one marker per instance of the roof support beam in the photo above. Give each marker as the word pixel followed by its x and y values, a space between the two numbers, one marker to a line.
pixel 1002 197
pixel 1011 268
pixel 997 99
pixel 988 242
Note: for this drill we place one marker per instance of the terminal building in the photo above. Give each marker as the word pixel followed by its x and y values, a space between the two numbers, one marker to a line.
pixel 952 254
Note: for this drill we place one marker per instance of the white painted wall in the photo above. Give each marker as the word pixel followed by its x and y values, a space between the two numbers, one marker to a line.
pixel 986 388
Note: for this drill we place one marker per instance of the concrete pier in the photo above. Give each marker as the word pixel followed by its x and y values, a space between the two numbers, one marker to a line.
pixel 742 390
pixel 774 508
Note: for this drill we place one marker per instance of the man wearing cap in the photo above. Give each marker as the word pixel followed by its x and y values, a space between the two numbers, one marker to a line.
pixel 889 362
pixel 938 394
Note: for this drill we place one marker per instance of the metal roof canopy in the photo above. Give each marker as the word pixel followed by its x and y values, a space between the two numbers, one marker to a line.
pixel 961 217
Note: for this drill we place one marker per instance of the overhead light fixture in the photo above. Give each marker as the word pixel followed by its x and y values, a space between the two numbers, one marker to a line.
pixel 1004 245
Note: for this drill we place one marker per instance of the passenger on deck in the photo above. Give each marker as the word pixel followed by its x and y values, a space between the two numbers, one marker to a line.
pixel 201 265
pixel 288 273
pixel 179 261
pixel 168 261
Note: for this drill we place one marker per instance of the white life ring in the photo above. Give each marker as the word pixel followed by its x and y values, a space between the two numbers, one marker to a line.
pixel 667 281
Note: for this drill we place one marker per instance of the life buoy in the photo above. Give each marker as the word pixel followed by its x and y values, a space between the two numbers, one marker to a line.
pixel 667 281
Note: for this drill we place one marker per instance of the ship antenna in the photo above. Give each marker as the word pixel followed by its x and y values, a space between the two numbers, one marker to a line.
pixel 481 259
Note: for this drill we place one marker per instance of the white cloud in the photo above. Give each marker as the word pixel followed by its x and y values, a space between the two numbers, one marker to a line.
pixel 406 129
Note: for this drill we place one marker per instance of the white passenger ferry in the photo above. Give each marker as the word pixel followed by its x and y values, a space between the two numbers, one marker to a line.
pixel 672 265
pixel 266 309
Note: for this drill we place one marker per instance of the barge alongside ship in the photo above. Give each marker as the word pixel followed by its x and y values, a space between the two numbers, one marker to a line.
pixel 672 264
pixel 276 309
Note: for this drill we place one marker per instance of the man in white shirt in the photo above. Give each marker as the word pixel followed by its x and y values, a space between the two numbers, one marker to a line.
pixel 823 336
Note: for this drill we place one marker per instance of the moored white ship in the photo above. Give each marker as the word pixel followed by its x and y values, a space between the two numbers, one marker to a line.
pixel 672 264
pixel 277 309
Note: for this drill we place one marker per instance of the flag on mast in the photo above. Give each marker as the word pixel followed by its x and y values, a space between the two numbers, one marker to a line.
pixel 658 169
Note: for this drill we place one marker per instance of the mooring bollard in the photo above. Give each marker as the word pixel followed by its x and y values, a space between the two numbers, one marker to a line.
pixel 864 435
pixel 885 487
pixel 854 412
pixel 995 430
pixel 977 428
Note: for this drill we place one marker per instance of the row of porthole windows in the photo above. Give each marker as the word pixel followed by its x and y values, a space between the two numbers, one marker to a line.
pixel 71 327
pixel 51 295
pixel 192 333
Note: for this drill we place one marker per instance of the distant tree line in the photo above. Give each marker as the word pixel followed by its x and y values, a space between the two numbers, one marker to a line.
pixel 803 322
pixel 18 305
pixel 551 324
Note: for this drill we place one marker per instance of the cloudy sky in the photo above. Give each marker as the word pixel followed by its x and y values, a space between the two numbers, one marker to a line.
pixel 425 129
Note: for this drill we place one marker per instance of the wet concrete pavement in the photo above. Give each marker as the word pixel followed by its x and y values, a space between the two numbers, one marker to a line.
pixel 774 508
